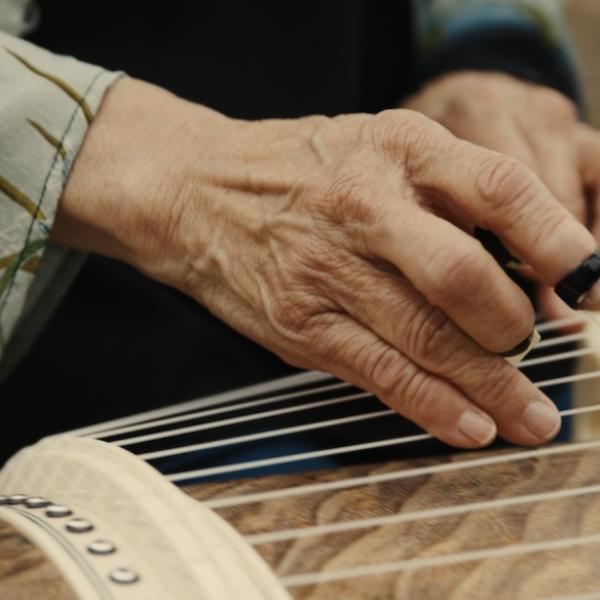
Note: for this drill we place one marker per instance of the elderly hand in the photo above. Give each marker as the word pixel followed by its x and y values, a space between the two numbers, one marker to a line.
pixel 342 244
pixel 532 123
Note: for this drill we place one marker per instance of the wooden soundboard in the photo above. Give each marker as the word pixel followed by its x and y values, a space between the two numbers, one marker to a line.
pixel 455 544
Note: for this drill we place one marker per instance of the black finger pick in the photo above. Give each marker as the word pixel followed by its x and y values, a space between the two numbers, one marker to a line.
pixel 496 248
pixel 572 288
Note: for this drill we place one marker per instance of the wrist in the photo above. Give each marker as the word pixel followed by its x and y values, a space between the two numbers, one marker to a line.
pixel 125 194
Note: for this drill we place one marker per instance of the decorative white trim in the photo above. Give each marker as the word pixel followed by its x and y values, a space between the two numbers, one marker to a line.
pixel 180 548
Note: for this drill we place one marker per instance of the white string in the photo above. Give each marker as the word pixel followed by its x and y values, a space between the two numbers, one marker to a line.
pixel 302 407
pixel 578 319
pixel 222 409
pixel 562 339
pixel 326 486
pixel 305 427
pixel 151 418
pixel 579 410
pixel 530 362
pixel 134 422
pixel 243 419
pixel 266 387
pixel 280 460
pixel 418 515
pixel 254 403
pixel 252 437
pixel 567 379
pixel 435 561
pixel 585 596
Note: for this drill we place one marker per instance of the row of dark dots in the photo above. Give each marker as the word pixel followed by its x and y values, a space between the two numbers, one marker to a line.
pixel 73 525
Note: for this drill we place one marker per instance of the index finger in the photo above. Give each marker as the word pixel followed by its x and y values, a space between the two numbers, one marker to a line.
pixel 501 194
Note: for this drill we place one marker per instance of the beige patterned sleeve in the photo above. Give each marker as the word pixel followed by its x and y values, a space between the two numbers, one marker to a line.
pixel 46 105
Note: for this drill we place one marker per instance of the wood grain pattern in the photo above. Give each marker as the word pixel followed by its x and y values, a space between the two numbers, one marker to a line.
pixel 25 572
pixel 542 574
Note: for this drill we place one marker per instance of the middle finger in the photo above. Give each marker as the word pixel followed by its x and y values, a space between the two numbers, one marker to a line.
pixel 392 308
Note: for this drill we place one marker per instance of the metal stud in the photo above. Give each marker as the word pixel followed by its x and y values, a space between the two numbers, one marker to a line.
pixel 15 499
pixel 37 502
pixel 79 526
pixel 101 547
pixel 57 511
pixel 124 576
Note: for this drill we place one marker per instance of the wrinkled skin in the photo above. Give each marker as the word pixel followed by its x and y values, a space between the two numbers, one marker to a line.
pixel 342 244
pixel 532 123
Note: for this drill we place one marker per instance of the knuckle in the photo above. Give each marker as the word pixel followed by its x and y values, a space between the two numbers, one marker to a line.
pixel 404 386
pixel 516 326
pixel 456 275
pixel 385 369
pixel 552 105
pixel 394 130
pixel 325 342
pixel 501 178
pixel 413 397
pixel 546 227
pixel 430 335
pixel 299 314
pixel 492 380
pixel 506 186
pixel 312 259
pixel 346 197
pixel 288 313
pixel 424 403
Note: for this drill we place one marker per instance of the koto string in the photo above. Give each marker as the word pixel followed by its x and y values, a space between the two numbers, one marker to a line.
pixel 289 458
pixel 134 422
pixel 299 408
pixel 418 515
pixel 252 437
pixel 280 460
pixel 530 362
pixel 562 339
pixel 220 399
pixel 526 363
pixel 435 561
pixel 350 482
pixel 311 405
pixel 578 319
pixel 220 410
pixel 243 419
pixel 585 596
pixel 306 427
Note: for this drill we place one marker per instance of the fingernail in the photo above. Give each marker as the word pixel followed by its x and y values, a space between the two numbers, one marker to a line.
pixel 477 427
pixel 591 300
pixel 542 420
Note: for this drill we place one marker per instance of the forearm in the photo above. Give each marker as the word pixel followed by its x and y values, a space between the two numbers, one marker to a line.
pixel 123 196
